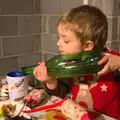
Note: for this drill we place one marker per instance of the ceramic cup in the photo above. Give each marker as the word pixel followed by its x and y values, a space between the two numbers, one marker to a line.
pixel 17 85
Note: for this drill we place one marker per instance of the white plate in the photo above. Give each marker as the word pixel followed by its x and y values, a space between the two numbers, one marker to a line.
pixel 18 107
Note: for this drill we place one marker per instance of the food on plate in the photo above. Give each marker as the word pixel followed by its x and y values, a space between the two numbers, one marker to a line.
pixel 7 109
pixel 53 115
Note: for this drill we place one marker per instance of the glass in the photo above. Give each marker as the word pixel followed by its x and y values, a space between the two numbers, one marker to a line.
pixel 70 65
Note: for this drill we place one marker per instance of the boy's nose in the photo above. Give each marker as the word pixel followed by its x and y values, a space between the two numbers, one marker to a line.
pixel 58 43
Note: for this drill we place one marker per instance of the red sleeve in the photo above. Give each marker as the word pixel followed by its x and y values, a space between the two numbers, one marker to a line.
pixel 113 52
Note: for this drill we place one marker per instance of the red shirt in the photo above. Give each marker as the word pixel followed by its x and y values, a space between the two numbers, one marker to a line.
pixel 103 95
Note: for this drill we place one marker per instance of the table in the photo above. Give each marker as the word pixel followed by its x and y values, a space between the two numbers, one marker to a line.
pixel 51 114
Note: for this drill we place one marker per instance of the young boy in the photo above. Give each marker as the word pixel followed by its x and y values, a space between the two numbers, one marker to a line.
pixel 81 29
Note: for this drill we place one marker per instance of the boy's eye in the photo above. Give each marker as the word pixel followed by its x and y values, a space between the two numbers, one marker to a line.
pixel 66 41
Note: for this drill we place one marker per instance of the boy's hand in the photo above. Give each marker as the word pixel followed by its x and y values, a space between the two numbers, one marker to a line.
pixel 40 72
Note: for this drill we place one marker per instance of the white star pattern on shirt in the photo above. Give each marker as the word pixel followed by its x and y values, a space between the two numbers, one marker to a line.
pixel 104 88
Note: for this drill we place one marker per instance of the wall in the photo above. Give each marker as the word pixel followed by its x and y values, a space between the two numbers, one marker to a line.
pixel 20 39
pixel 111 8
pixel 28 29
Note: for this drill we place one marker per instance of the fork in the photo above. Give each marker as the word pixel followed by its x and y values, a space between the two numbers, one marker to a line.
pixel 24 105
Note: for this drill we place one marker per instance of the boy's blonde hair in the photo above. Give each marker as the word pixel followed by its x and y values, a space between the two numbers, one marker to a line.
pixel 88 23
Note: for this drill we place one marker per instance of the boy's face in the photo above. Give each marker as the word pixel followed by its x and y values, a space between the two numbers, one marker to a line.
pixel 68 42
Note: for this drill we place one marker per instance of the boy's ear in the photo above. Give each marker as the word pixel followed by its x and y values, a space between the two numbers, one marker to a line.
pixel 89 45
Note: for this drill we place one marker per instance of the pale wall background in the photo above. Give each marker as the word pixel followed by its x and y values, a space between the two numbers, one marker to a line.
pixel 28 29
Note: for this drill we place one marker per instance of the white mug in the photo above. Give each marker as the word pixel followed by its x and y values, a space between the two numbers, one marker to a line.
pixel 17 85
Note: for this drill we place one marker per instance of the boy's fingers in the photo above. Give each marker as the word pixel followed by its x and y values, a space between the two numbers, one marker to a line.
pixel 42 63
pixel 104 70
pixel 45 71
pixel 40 71
pixel 35 71
pixel 103 60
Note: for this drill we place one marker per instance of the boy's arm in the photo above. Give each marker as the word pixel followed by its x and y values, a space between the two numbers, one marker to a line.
pixel 61 89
